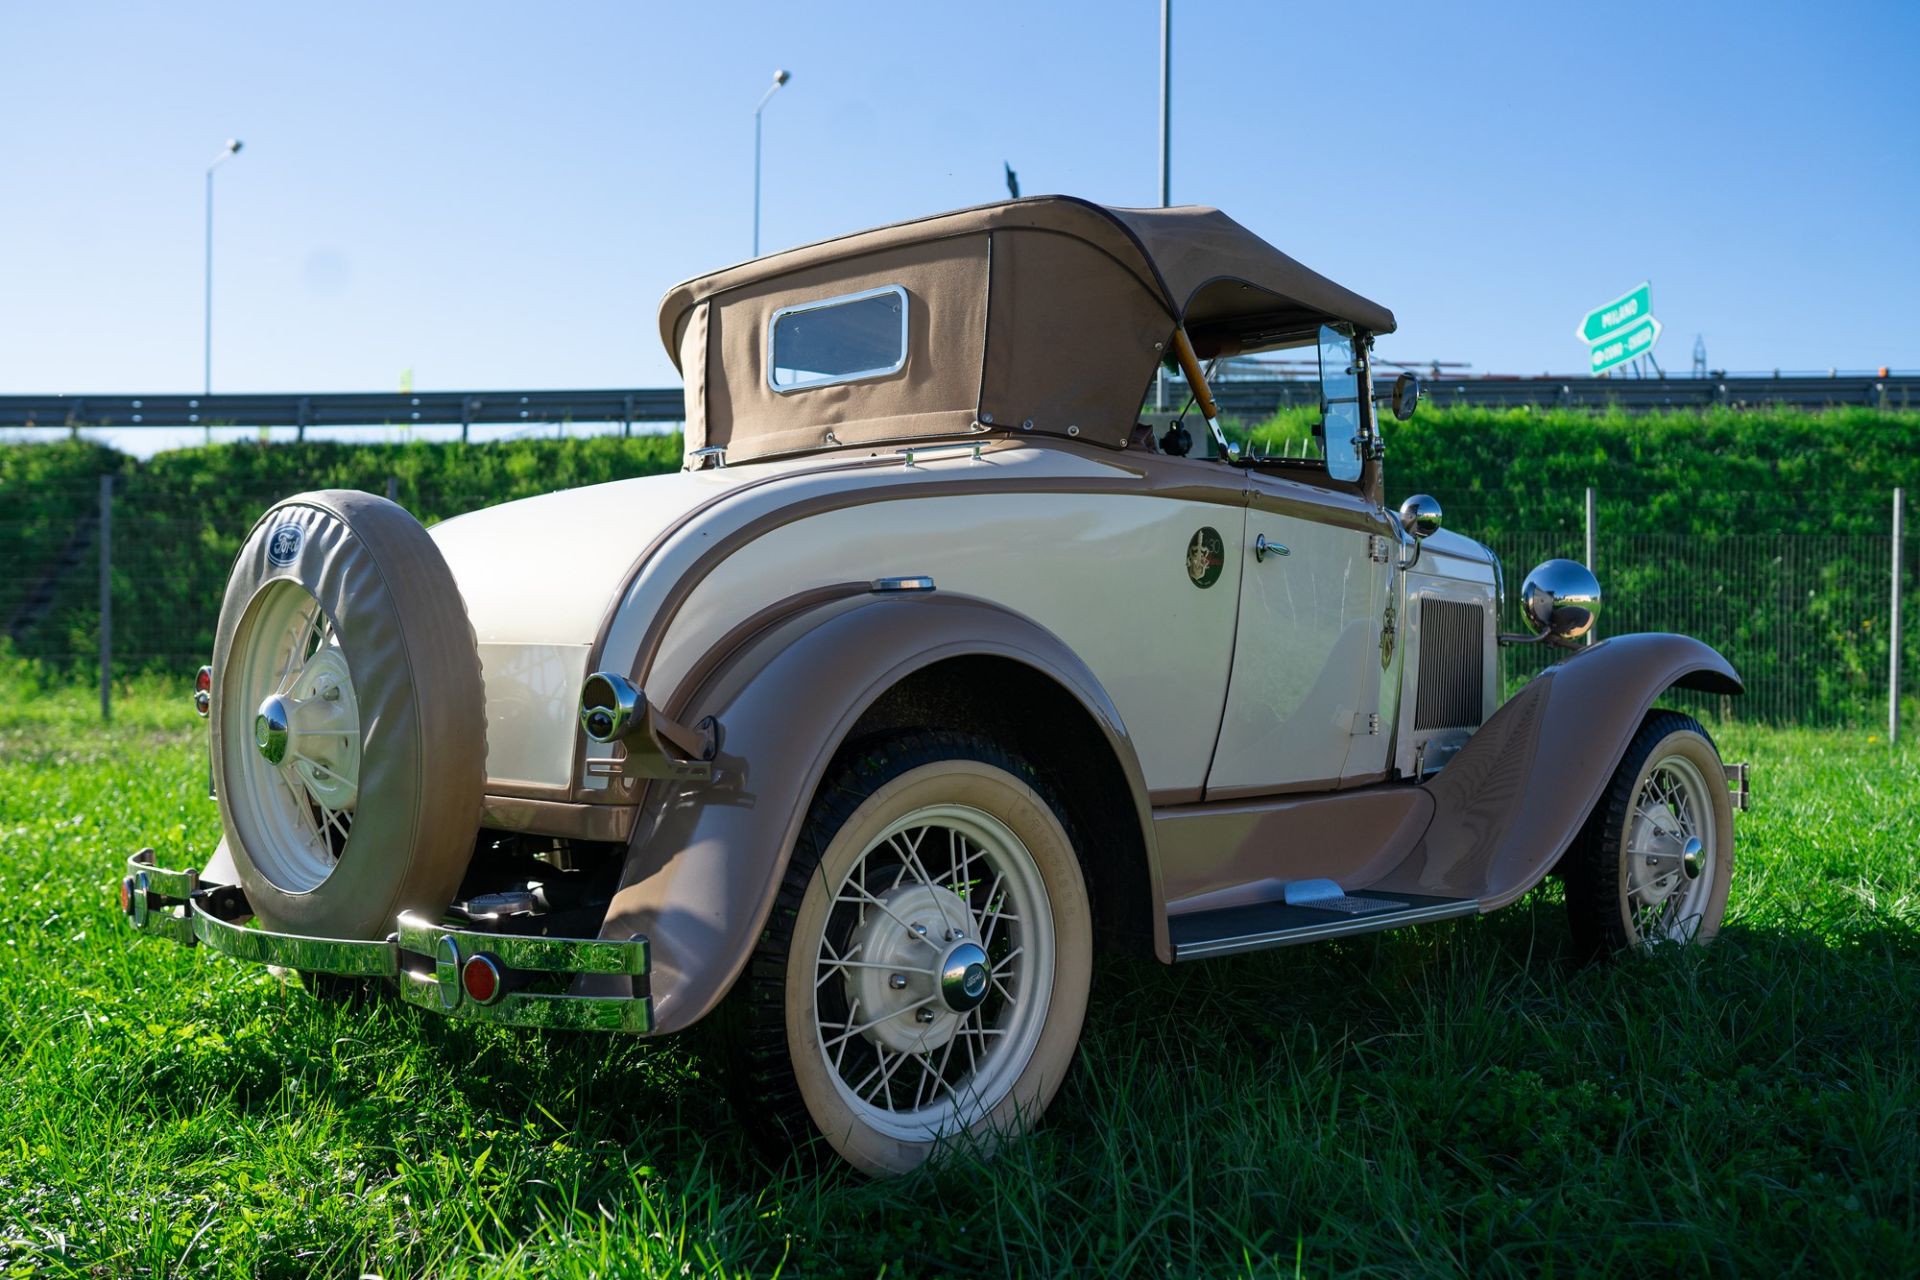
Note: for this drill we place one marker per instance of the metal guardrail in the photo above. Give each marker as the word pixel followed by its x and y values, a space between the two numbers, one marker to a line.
pixel 665 404
pixel 1634 395
pixel 343 409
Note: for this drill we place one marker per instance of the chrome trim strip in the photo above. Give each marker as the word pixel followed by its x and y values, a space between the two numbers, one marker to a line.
pixel 920 582
pixel 1331 929
pixel 773 323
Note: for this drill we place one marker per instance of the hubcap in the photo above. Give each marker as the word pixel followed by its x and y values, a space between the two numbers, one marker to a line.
pixel 270 729
pixel 963 977
pixel 1692 860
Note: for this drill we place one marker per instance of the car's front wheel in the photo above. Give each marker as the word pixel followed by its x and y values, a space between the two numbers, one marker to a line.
pixel 924 974
pixel 1655 861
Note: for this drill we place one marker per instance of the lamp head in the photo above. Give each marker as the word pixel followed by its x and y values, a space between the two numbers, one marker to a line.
pixel 780 78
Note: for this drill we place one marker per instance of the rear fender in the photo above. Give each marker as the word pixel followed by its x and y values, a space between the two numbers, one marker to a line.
pixel 1510 803
pixel 706 860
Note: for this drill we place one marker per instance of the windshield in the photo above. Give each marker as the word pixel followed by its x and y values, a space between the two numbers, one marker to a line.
pixel 1335 441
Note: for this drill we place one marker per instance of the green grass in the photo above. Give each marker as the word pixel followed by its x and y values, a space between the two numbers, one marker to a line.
pixel 1452 1100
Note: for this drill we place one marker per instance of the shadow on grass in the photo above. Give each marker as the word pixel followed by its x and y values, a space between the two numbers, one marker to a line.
pixel 1457 1097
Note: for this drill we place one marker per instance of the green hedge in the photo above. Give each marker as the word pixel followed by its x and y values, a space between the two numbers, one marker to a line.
pixel 1687 504
pixel 1715 472
pixel 180 516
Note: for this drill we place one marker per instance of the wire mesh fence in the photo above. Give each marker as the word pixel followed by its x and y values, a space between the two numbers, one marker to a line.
pixel 1803 616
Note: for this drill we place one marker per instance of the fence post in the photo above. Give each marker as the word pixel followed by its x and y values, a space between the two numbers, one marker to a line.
pixel 106 597
pixel 393 488
pixel 1593 635
pixel 1893 631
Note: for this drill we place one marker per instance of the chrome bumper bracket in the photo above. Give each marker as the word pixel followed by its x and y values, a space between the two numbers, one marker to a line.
pixel 1737 786
pixel 424 958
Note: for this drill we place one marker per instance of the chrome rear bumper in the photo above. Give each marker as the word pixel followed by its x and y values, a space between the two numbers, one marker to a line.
pixel 428 962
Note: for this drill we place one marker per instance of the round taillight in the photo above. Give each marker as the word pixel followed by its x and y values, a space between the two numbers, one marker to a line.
pixel 481 977
pixel 126 896
pixel 203 691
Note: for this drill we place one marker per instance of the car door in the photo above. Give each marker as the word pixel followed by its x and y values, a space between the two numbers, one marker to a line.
pixel 1304 686
pixel 1310 672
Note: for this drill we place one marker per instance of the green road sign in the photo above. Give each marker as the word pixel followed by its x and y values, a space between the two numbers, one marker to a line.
pixel 1627 344
pixel 1604 323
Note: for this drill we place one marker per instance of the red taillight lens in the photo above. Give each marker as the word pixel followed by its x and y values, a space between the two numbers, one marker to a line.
pixel 203 691
pixel 126 896
pixel 481 977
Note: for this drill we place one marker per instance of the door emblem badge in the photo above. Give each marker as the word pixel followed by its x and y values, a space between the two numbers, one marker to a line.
pixel 1206 557
pixel 1386 638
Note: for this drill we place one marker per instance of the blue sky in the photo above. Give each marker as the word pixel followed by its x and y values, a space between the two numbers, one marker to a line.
pixel 496 195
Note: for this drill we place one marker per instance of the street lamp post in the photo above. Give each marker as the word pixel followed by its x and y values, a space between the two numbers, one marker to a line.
pixel 1166 103
pixel 779 78
pixel 226 153
pixel 1166 157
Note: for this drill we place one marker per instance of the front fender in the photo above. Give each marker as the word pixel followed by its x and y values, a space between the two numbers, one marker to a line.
pixel 706 860
pixel 1510 803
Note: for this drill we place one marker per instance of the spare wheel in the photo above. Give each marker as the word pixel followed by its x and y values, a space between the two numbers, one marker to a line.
pixel 349 722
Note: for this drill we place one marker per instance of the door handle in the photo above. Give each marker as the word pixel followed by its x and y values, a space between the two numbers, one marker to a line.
pixel 1262 549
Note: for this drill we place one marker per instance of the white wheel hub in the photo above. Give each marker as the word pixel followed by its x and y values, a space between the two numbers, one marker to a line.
pixel 312 730
pixel 913 945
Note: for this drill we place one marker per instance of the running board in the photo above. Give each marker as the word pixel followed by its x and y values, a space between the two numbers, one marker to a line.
pixel 1230 930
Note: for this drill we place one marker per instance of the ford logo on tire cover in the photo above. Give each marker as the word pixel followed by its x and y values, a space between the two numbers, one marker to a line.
pixel 284 544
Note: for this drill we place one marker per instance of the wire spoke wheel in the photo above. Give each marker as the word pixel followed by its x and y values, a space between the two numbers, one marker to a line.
pixel 294 699
pixel 933 972
pixel 1665 881
pixel 922 980
pixel 1654 863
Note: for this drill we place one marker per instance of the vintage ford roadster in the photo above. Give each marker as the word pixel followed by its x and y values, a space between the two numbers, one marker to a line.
pixel 933 676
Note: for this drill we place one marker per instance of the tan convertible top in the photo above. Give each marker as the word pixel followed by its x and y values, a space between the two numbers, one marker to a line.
pixel 1044 315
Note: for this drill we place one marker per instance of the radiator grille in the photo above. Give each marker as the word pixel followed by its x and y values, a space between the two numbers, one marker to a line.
pixel 1452 664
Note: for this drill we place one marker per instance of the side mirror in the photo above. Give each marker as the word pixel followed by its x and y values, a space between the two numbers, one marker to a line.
pixel 1420 515
pixel 1561 600
pixel 1406 395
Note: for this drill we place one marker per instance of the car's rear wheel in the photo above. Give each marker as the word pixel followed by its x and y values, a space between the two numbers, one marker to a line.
pixel 1654 863
pixel 924 975
pixel 349 731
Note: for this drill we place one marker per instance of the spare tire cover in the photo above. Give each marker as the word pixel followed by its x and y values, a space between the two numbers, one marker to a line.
pixel 394 614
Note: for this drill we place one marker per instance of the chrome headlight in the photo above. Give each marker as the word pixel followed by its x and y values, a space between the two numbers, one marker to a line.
pixel 1561 600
